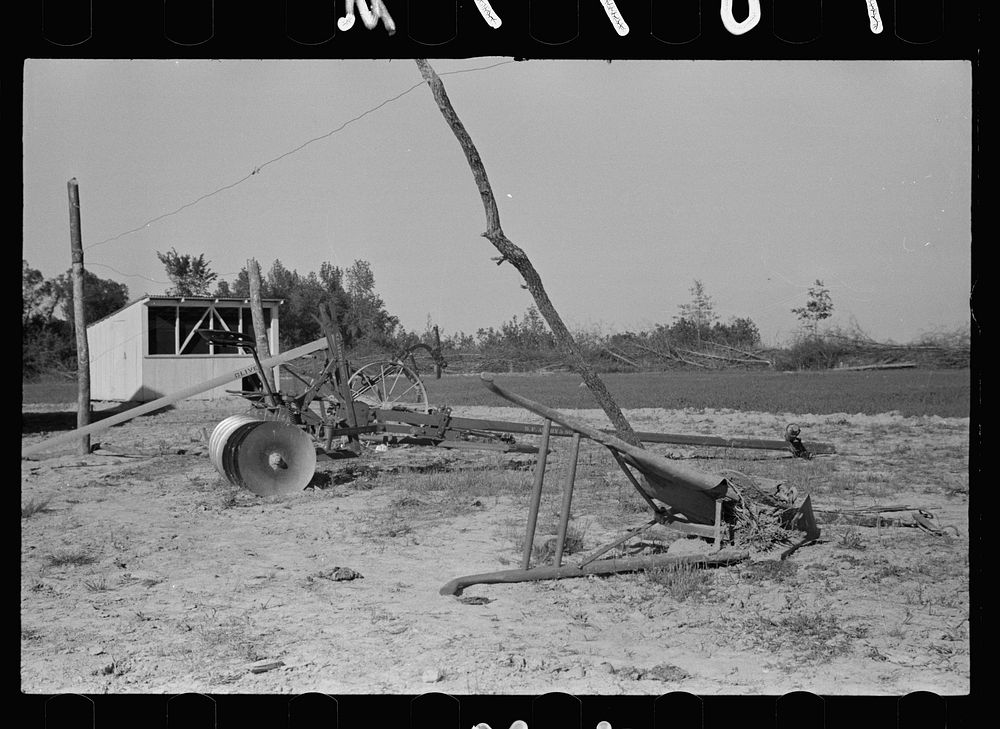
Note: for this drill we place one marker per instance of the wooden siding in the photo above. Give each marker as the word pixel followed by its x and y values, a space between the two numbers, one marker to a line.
pixel 121 368
pixel 116 352
pixel 164 375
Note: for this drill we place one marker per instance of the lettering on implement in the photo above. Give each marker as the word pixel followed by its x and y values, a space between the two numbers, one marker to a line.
pixel 245 372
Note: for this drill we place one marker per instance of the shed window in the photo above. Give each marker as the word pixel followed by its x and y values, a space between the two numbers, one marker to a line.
pixel 190 321
pixel 162 329
pixel 228 317
pixel 173 328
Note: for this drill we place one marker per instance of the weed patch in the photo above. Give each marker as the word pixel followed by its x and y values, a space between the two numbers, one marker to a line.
pixel 34 506
pixel 545 553
pixel 233 636
pixel 850 538
pixel 681 581
pixel 769 569
pixel 98 584
pixel 72 558
pixel 812 637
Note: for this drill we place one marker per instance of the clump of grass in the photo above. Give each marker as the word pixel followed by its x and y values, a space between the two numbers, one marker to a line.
pixel 229 497
pixel 73 558
pixel 888 570
pixel 851 538
pixel 378 526
pixel 896 632
pixel 465 485
pixel 769 569
pixel 545 552
pixel 98 584
pixel 233 636
pixel 34 506
pixel 626 498
pixel 812 637
pixel 682 580
pixel 954 491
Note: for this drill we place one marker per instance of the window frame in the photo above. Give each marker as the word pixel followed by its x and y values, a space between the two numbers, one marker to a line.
pixel 210 313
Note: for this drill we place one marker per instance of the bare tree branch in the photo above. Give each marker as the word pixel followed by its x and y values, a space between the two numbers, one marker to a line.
pixel 517 257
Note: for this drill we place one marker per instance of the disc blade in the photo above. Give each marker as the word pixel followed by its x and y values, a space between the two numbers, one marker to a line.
pixel 274 458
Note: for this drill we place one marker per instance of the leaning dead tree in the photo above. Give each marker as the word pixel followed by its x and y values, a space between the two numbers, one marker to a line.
pixel 509 252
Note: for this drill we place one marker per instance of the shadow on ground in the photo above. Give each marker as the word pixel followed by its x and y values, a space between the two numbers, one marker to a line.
pixel 49 422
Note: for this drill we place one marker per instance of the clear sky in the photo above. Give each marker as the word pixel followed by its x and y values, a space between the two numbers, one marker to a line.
pixel 623 182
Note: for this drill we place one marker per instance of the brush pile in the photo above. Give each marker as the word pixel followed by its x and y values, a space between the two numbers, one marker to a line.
pixel 763 513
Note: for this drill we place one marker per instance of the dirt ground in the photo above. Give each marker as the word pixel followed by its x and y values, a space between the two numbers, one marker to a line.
pixel 143 570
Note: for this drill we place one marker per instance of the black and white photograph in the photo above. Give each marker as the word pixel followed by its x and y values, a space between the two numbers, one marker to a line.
pixel 497 375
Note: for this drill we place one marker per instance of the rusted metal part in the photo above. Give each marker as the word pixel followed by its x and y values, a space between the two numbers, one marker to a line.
pixel 245 342
pixel 633 532
pixel 635 482
pixel 567 499
pixel 690 492
pixel 794 442
pixel 440 425
pixel 602 567
pixel 802 519
pixel 536 496
pixel 328 321
pixel 646 437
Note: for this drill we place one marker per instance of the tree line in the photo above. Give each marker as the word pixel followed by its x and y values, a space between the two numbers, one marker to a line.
pixel 367 327
pixel 48 343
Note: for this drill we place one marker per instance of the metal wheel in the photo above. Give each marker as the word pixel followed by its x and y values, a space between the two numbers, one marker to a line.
pixel 389 385
pixel 265 456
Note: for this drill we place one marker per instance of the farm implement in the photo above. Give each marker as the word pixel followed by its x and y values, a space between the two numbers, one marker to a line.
pixel 272 448
pixel 680 498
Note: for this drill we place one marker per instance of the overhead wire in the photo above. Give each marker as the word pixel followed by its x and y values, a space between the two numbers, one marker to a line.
pixel 256 170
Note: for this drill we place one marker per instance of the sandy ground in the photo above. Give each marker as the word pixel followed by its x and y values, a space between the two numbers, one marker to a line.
pixel 143 570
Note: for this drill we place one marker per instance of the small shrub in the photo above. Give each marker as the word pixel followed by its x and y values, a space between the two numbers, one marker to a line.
pixel 73 558
pixel 810 353
pixel 96 585
pixel 812 637
pixel 34 506
pixel 233 636
pixel 769 569
pixel 682 580
pixel 541 553
pixel 850 538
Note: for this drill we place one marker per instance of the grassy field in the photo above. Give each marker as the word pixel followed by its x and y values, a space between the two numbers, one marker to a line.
pixel 909 392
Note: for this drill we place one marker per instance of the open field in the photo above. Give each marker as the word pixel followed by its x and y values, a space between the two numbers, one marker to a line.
pixel 907 392
pixel 143 570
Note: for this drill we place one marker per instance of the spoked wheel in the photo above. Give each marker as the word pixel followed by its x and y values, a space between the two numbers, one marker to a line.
pixel 389 385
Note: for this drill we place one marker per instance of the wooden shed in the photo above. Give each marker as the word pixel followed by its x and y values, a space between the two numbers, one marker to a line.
pixel 151 348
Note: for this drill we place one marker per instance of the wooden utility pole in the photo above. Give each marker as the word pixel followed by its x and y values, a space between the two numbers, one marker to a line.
pixel 257 314
pixel 79 318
